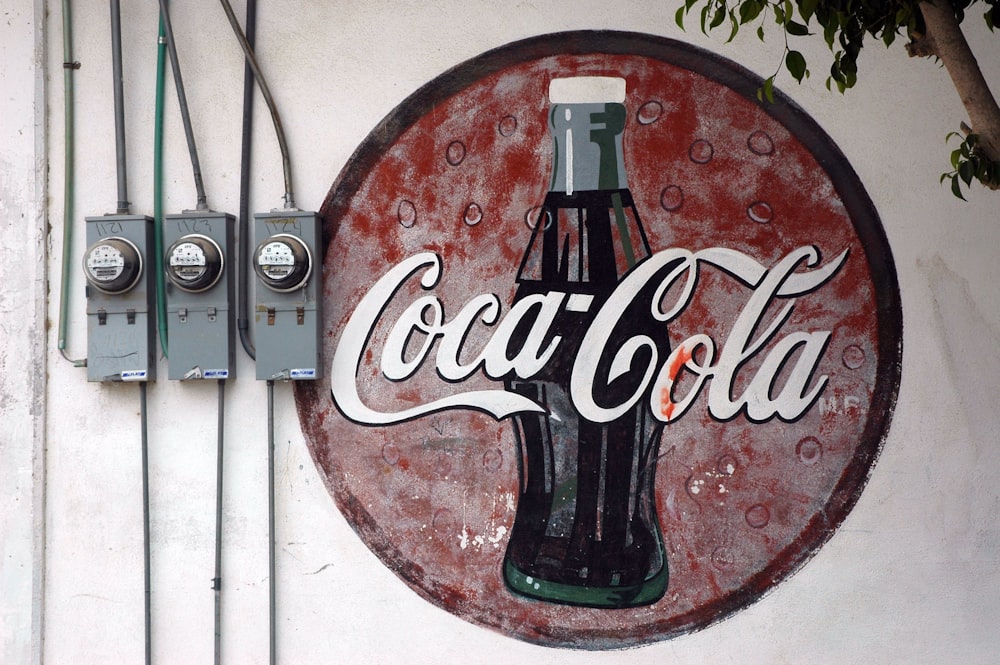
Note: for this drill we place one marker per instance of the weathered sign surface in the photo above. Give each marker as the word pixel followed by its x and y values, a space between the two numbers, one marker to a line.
pixel 613 345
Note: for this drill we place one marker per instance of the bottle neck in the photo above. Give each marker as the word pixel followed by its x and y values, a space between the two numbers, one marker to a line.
pixel 587 147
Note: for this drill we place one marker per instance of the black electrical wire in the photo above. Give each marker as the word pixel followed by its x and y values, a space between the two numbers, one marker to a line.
pixel 286 163
pixel 119 85
pixel 175 68
pixel 242 316
pixel 147 585
pixel 272 632
pixel 217 580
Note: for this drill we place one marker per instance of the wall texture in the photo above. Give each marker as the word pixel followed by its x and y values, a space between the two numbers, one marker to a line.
pixel 911 577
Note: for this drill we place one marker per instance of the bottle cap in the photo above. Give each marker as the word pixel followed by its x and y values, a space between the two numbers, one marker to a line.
pixel 587 90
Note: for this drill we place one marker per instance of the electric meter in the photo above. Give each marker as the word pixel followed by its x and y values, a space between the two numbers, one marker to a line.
pixel 288 312
pixel 112 265
pixel 121 299
pixel 194 263
pixel 283 262
pixel 200 293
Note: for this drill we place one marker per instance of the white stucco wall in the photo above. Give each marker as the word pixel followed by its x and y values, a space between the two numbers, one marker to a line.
pixel 912 576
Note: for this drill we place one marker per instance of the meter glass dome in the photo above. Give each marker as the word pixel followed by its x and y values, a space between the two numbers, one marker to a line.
pixel 194 263
pixel 112 265
pixel 283 262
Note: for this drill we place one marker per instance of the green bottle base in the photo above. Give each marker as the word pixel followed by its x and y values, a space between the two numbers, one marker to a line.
pixel 645 593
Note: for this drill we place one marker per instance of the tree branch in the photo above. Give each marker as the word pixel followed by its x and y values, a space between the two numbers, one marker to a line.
pixel 946 41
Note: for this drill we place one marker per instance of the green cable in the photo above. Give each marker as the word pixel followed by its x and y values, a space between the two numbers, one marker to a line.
pixel 161 295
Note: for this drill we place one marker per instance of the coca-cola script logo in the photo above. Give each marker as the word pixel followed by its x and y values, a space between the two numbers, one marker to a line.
pixel 613 346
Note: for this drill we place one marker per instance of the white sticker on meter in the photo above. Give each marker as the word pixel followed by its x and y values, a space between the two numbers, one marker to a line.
pixel 188 261
pixel 105 263
pixel 276 260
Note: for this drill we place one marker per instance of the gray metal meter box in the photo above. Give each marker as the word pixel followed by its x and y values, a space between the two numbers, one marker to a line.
pixel 121 298
pixel 200 289
pixel 288 309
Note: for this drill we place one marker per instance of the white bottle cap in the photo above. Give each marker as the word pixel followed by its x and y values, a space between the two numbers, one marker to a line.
pixel 587 90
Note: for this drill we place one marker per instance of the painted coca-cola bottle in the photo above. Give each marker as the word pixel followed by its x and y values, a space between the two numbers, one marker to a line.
pixel 586 530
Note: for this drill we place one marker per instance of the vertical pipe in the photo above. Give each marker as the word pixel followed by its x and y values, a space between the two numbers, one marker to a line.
pixel 161 288
pixel 68 204
pixel 147 586
pixel 116 62
pixel 242 317
pixel 270 523
pixel 217 581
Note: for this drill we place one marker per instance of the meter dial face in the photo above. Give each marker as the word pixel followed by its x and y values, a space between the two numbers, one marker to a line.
pixel 112 265
pixel 194 263
pixel 283 262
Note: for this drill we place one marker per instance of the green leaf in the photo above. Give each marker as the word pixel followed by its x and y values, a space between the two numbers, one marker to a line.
pixel 704 18
pixel 807 8
pixel 735 26
pixel 796 28
pixel 956 156
pixel 717 20
pixel 956 188
pixel 679 18
pixel 967 171
pixel 888 37
pixel 829 33
pixel 750 10
pixel 796 65
pixel 769 89
pixel 760 32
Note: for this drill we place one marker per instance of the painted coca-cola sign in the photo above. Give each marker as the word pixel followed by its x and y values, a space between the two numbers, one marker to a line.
pixel 614 346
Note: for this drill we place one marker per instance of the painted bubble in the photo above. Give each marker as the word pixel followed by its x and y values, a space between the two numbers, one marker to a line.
pixel 442 466
pixel 694 486
pixel 473 214
pixel 853 357
pixel 671 198
pixel 534 214
pixel 722 558
pixel 760 143
pixel 649 112
pixel 507 125
pixel 809 451
pixel 407 213
pixel 726 465
pixel 758 516
pixel 760 212
pixel 390 453
pixel 701 152
pixel 493 460
pixel 455 153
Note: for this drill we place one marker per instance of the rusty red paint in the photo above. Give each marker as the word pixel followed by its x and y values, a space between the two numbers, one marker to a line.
pixel 448 542
pixel 667 405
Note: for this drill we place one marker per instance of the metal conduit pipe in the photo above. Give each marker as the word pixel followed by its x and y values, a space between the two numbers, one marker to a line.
pixel 161 289
pixel 243 251
pixel 119 87
pixel 69 179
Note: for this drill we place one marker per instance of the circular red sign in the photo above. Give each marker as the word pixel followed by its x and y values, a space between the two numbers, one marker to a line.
pixel 744 496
